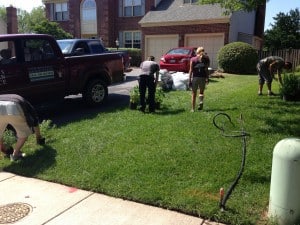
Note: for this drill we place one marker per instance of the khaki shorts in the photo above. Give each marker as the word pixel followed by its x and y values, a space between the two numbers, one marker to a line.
pixel 198 82
pixel 19 124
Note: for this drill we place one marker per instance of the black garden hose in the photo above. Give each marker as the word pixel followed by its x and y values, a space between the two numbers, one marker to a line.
pixel 243 135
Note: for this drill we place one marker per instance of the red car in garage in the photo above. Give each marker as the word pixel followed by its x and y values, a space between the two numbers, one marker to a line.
pixel 178 59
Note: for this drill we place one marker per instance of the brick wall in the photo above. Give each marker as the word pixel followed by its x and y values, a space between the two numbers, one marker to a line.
pixel 12 20
pixel 108 21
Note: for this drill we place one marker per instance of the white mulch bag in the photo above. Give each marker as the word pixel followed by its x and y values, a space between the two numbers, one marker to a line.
pixel 180 81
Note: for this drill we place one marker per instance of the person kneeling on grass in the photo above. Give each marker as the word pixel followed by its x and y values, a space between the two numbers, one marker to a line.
pixel 20 114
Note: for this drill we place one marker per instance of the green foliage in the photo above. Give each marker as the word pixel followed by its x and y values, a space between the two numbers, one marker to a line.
pixel 136 56
pixel 9 138
pixel 284 32
pixel 290 88
pixel 134 53
pixel 159 95
pixel 134 94
pixel 3 13
pixel 238 57
pixel 235 5
pixel 52 28
pixel 36 22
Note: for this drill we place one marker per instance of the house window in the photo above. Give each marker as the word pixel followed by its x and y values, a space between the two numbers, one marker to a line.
pixel 132 39
pixel 89 10
pixel 88 18
pixel 60 11
pixel 132 7
pixel 190 1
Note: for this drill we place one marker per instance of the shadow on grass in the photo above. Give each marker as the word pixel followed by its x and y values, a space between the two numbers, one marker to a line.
pixel 75 109
pixel 256 178
pixel 281 123
pixel 35 163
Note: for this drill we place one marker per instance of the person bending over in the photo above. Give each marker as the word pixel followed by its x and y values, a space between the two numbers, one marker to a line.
pixel 20 114
pixel 267 68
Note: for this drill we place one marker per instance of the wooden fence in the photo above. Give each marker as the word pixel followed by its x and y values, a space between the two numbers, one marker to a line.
pixel 290 55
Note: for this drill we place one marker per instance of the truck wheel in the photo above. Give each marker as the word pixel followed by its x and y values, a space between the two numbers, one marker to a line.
pixel 95 93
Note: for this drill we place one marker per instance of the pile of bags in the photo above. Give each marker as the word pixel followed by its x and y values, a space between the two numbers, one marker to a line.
pixel 173 81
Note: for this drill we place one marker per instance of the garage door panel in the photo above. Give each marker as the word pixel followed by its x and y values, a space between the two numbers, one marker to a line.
pixel 211 43
pixel 159 45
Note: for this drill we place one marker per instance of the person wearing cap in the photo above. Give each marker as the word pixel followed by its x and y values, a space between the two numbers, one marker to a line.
pixel 148 79
pixel 20 114
pixel 267 68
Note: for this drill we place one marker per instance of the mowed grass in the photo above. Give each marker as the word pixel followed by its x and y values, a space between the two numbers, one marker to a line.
pixel 173 159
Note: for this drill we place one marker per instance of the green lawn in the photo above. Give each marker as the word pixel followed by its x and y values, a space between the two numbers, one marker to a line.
pixel 173 159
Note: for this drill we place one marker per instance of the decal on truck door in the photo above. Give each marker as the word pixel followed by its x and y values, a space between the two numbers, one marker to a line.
pixel 41 73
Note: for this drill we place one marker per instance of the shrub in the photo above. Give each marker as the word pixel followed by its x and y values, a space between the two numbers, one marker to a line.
pixel 238 58
pixel 290 88
pixel 134 53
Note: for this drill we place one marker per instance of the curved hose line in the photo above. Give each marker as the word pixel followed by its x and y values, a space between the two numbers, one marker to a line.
pixel 239 175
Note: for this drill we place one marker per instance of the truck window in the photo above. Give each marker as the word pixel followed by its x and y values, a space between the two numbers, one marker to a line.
pixel 96 47
pixel 37 50
pixel 7 53
pixel 81 48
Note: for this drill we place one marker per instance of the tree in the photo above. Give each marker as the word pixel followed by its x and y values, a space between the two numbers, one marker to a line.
pixel 36 22
pixel 3 13
pixel 53 28
pixel 236 5
pixel 285 32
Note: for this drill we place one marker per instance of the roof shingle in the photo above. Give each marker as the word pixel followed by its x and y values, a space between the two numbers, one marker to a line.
pixel 172 11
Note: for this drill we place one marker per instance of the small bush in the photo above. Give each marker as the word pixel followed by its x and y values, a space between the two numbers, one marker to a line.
pixel 134 53
pixel 238 58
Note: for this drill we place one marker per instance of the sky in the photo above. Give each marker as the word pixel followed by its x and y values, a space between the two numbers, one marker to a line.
pixel 273 7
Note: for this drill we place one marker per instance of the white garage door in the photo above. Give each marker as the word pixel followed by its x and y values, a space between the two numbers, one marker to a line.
pixel 157 45
pixel 211 43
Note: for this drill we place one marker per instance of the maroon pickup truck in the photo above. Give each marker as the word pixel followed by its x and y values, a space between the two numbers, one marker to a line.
pixel 33 66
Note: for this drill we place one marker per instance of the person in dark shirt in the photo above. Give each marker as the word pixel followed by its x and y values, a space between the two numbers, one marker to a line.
pixel 148 79
pixel 266 69
pixel 20 114
pixel 198 76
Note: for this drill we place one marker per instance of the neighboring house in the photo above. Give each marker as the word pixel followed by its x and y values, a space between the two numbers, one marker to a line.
pixel 155 26
pixel 11 26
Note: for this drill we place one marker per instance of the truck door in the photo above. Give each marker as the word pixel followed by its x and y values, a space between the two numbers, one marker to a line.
pixel 45 72
pixel 12 73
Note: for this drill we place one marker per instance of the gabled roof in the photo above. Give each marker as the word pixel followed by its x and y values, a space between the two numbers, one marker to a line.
pixel 175 12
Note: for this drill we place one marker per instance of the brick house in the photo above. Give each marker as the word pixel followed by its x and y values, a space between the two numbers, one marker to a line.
pixel 11 25
pixel 155 26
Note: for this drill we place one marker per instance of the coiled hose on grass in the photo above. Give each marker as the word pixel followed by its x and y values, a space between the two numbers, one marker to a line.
pixel 241 134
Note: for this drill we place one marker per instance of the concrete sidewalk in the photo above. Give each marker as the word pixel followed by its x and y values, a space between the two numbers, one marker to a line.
pixel 34 202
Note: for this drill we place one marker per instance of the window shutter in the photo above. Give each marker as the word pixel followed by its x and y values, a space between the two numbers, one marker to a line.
pixel 143 7
pixel 121 39
pixel 120 8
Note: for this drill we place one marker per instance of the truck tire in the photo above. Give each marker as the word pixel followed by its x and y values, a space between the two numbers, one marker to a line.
pixel 95 92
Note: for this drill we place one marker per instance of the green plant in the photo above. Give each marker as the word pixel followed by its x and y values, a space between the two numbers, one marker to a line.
pixel 238 58
pixel 9 137
pixel 159 95
pixel 135 94
pixel 290 88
